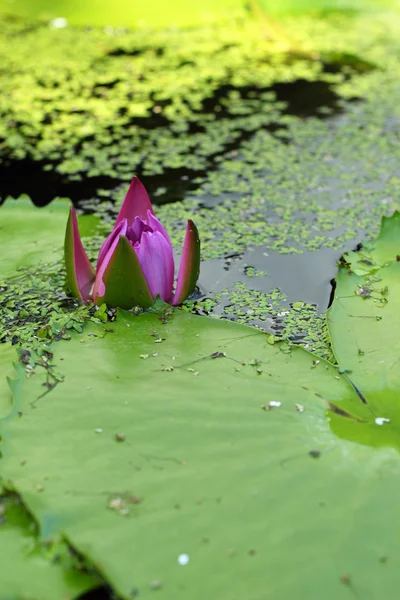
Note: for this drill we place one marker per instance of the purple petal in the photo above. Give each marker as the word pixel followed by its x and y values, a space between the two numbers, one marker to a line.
pixel 136 204
pixel 111 242
pixel 157 261
pixel 189 268
pixel 120 229
pixel 156 226
pixel 139 226
pixel 80 273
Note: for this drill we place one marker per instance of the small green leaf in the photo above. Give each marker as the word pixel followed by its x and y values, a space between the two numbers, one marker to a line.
pixel 125 284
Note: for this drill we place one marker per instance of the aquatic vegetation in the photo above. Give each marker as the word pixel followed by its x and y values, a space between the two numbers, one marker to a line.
pixel 136 261
pixel 97 106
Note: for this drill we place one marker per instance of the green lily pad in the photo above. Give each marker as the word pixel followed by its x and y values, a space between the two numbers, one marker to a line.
pixel 177 439
pixel 27 569
pixel 364 329
pixel 7 370
pixel 29 235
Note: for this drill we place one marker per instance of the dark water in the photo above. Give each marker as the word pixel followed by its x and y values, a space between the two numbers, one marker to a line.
pixel 301 277
pixel 307 277
pixel 302 98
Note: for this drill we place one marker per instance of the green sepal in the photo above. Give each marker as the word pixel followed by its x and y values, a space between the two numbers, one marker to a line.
pixel 189 268
pixel 123 278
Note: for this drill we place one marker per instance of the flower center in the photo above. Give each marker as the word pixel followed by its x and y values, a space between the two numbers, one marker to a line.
pixel 134 233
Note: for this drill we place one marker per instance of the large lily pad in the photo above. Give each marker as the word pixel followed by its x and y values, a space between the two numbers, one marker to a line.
pixel 364 328
pixel 29 571
pixel 146 459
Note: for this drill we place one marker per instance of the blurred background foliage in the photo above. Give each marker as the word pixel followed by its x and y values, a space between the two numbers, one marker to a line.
pixel 181 13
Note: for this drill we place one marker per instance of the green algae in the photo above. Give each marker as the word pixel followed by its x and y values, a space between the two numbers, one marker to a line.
pixel 295 322
pixel 35 309
pixel 97 103
pixel 94 103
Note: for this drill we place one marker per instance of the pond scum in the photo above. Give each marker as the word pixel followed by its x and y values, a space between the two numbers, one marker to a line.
pixel 289 140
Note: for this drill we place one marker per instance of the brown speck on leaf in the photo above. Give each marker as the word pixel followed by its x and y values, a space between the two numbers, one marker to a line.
pixel 345 579
pixel 39 487
pixel 120 437
pixel 48 384
pixel 135 500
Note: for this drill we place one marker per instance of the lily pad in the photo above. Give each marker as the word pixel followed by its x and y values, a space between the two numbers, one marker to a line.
pixel 27 569
pixel 29 234
pixel 192 455
pixel 364 329
pixel 7 356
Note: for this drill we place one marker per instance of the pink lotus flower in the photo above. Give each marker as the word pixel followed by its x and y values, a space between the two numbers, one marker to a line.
pixel 136 262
